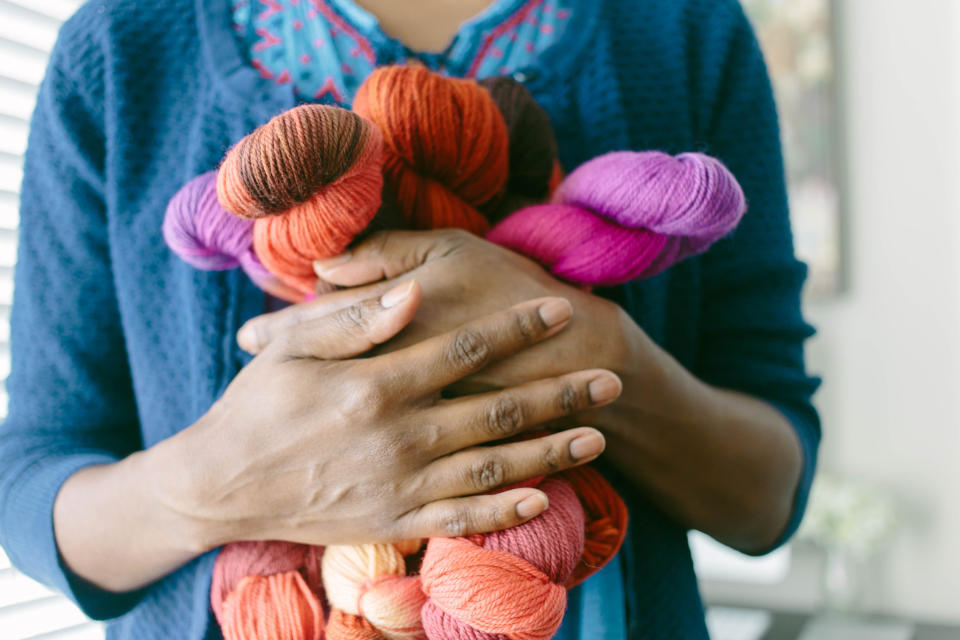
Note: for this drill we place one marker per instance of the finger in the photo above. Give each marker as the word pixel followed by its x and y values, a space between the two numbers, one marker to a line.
pixel 475 514
pixel 442 360
pixel 388 254
pixel 254 336
pixel 486 417
pixel 353 330
pixel 483 469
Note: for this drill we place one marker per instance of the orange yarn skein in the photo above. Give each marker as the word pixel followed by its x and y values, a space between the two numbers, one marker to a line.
pixel 311 178
pixel 446 149
pixel 268 590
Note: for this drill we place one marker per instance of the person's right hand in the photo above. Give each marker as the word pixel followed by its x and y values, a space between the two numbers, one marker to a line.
pixel 310 444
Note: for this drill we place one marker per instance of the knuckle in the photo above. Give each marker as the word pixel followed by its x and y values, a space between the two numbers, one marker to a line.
pixel 380 242
pixel 550 458
pixel 363 397
pixel 396 446
pixel 526 326
pixel 569 398
pixel 429 436
pixel 487 473
pixel 497 517
pixel 352 318
pixel 455 235
pixel 469 350
pixel 504 417
pixel 452 240
pixel 455 523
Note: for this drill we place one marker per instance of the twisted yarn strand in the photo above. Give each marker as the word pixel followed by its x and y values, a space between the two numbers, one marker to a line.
pixel 507 583
pixel 311 179
pixel 627 215
pixel 268 590
pixel 445 143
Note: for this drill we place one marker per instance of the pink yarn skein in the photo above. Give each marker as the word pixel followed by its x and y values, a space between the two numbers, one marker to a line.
pixel 627 215
pixel 506 585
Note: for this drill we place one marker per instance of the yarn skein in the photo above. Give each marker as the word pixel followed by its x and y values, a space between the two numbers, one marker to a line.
pixel 268 590
pixel 606 521
pixel 446 150
pixel 533 155
pixel 368 587
pixel 311 180
pixel 204 234
pixel 506 584
pixel 627 215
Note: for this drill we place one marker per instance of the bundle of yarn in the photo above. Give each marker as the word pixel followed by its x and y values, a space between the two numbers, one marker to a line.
pixel 204 234
pixel 445 153
pixel 268 590
pixel 310 180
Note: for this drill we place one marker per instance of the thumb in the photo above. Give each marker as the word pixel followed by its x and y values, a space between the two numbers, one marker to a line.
pixel 344 333
pixel 388 254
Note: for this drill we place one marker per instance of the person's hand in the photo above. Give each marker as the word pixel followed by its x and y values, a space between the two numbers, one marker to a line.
pixel 464 276
pixel 308 446
pixel 718 460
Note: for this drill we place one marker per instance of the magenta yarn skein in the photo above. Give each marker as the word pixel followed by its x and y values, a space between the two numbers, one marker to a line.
pixel 627 215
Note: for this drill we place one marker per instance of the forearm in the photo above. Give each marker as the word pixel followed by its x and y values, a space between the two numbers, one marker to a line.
pixel 114 530
pixel 722 462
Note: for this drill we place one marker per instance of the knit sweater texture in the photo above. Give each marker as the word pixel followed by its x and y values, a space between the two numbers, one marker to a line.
pixel 117 344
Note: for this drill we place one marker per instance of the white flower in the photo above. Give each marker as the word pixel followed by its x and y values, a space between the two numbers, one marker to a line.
pixel 847 516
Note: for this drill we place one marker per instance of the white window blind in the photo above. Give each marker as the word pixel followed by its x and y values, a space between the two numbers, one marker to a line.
pixel 28 29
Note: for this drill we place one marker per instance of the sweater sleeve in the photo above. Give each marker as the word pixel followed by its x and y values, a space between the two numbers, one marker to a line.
pixel 753 330
pixel 71 402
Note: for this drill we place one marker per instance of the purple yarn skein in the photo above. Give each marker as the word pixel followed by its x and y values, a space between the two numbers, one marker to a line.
pixel 204 234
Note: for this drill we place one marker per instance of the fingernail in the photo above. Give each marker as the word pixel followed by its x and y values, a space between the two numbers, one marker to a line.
pixel 587 447
pixel 532 506
pixel 555 312
pixel 396 295
pixel 604 389
pixel 322 266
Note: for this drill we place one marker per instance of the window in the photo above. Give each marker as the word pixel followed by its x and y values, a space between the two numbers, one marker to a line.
pixel 28 30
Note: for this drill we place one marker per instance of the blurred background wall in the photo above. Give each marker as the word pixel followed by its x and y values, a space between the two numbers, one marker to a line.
pixel 888 346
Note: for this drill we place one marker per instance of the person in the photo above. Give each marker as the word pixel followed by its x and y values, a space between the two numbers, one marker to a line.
pixel 142 435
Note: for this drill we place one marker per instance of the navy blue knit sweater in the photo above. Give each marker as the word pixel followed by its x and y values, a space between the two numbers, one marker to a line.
pixel 117 344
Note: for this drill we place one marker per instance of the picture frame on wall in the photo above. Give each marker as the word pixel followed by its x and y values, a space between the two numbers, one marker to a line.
pixel 798 38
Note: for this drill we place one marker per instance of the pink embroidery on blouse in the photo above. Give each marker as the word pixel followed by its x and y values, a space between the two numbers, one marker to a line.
pixel 337 23
pixel 268 39
pixel 329 87
pixel 523 13
pixel 273 7
pixel 259 66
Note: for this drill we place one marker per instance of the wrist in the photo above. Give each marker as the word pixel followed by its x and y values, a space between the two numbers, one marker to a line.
pixel 176 485
pixel 633 355
pixel 652 378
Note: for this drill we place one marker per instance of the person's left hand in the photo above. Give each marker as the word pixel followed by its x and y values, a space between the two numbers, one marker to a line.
pixel 465 277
